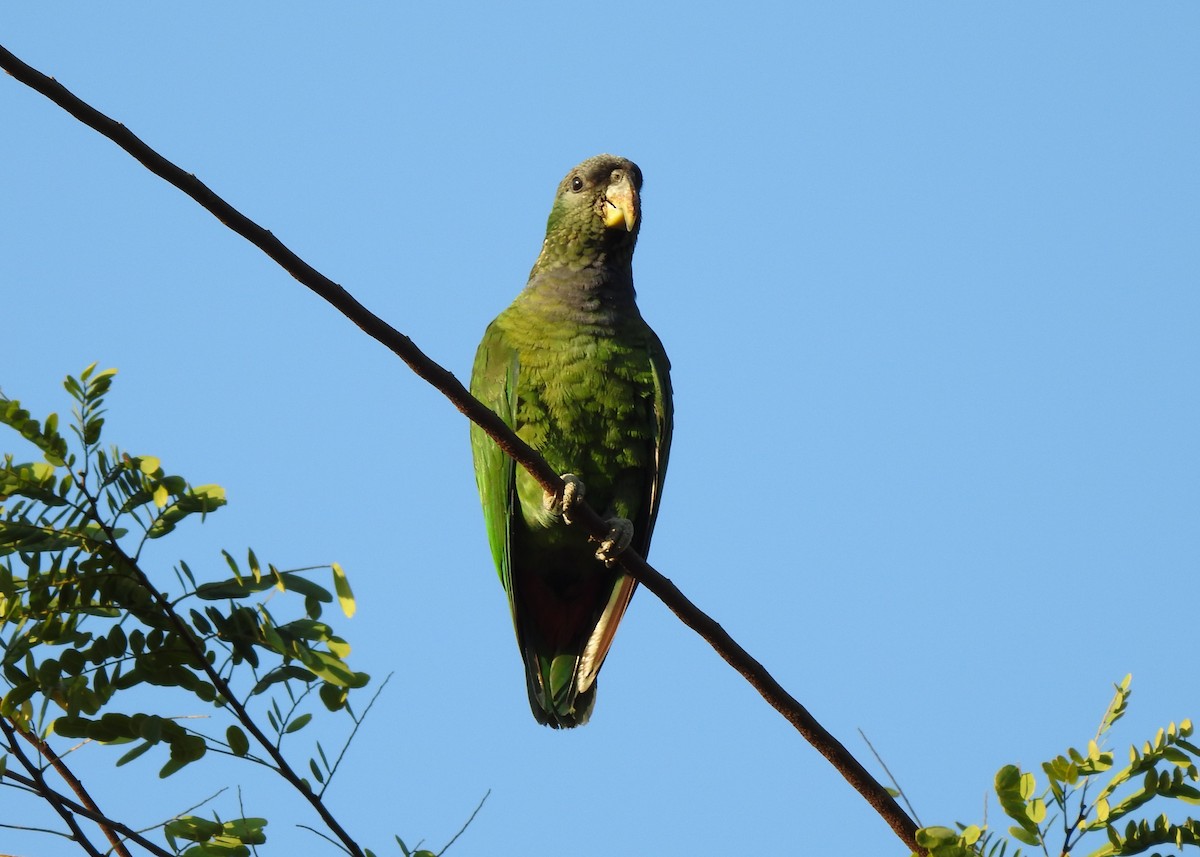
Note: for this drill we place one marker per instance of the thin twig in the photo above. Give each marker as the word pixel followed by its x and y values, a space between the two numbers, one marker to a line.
pixel 184 812
pixel 891 776
pixel 29 829
pixel 466 824
pixel 242 810
pixel 324 836
pixel 358 721
pixel 854 773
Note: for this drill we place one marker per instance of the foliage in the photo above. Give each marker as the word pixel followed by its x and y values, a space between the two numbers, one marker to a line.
pixel 1161 770
pixel 83 624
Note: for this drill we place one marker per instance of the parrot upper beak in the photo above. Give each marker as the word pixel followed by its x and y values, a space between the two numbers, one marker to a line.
pixel 621 204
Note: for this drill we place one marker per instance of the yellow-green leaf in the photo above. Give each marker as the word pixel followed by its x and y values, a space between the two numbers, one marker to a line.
pixel 341 585
pixel 1036 810
pixel 1028 786
pixel 210 492
pixel 1023 835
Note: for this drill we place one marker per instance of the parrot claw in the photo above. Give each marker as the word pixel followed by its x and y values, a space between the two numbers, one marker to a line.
pixel 573 491
pixel 620 534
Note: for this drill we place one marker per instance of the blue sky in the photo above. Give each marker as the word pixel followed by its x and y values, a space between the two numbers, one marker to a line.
pixel 927 273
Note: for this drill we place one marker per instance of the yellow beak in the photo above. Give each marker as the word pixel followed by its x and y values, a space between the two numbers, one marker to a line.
pixel 621 203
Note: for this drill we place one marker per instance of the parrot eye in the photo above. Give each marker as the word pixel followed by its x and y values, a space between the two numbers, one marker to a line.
pixel 577 184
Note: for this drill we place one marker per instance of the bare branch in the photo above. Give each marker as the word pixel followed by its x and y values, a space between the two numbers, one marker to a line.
pixel 875 794
pixel 57 799
pixel 47 752
pixel 38 781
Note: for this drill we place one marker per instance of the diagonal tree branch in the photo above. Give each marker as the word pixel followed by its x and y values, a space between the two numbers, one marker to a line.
pixel 62 803
pixel 38 781
pixel 795 713
pixel 76 786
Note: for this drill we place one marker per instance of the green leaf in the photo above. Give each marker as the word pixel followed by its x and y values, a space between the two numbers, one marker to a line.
pixel 218 846
pixel 1186 793
pixel 151 728
pixel 332 669
pixel 192 828
pixel 18 695
pixel 234 587
pixel 240 587
pixel 201 500
pixel 237 740
pixel 134 753
pixel 1026 836
pixel 1176 757
pixel 47 439
pixel 247 830
pixel 185 749
pixel 71 727
pixel 932 837
pixel 91 431
pixel 232 563
pixel 200 623
pixel 284 673
pixel 295 583
pixel 333 696
pixel 297 724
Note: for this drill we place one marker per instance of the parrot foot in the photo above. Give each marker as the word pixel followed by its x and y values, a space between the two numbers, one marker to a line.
pixel 573 492
pixel 620 534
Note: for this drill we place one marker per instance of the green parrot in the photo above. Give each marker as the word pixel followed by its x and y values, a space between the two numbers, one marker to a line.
pixel 579 376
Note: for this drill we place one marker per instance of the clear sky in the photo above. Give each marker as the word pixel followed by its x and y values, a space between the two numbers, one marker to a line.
pixel 927 273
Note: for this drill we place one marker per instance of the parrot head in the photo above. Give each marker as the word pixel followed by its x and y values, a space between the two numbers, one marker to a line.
pixel 596 213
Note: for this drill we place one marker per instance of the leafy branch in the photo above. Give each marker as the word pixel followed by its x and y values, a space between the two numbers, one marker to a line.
pixel 81 623
pixel 736 656
pixel 1162 769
